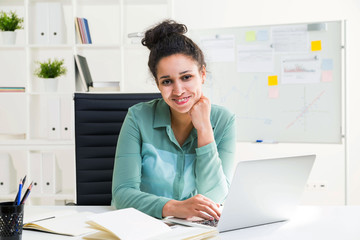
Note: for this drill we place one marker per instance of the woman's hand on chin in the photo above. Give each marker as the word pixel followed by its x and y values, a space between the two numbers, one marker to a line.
pixel 200 117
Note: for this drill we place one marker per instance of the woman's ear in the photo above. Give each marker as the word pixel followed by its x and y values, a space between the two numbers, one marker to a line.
pixel 203 74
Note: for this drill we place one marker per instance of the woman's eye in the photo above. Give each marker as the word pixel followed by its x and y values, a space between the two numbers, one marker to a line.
pixel 186 77
pixel 166 82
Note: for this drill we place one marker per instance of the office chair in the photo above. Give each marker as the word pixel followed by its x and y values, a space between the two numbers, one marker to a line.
pixel 98 120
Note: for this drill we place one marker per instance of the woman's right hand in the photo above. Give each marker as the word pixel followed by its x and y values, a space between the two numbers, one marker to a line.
pixel 196 206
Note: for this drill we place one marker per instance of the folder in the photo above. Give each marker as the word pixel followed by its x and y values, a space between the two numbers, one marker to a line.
pixel 7 174
pixel 65 112
pixel 53 117
pixel 51 174
pixel 42 23
pixel 57 30
pixel 36 172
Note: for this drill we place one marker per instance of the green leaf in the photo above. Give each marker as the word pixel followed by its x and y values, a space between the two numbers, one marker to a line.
pixel 10 21
pixel 50 68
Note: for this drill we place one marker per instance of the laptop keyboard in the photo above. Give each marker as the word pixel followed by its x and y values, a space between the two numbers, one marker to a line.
pixel 211 223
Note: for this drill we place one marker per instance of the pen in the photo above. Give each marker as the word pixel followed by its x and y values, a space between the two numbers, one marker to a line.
pixel 24 180
pixel 26 193
pixel 265 141
pixel 19 193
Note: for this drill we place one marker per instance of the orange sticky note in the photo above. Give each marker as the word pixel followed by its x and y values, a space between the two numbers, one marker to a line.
pixel 272 80
pixel 316 45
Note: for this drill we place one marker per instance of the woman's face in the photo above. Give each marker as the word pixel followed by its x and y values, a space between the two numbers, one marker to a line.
pixel 179 81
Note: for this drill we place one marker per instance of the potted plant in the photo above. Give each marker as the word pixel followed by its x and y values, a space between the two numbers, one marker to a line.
pixel 50 71
pixel 9 22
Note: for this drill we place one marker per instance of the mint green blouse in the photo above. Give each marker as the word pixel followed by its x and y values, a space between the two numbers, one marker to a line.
pixel 151 168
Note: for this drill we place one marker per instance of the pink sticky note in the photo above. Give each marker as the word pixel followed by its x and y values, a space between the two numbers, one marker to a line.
pixel 273 92
pixel 327 76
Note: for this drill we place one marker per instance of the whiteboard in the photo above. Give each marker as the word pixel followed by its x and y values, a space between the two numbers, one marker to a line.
pixel 283 82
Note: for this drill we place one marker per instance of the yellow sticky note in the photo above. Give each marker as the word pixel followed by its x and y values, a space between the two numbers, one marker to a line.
pixel 272 80
pixel 250 36
pixel 316 45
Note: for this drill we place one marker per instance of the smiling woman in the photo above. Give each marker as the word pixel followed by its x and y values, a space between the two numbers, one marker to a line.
pixel 175 155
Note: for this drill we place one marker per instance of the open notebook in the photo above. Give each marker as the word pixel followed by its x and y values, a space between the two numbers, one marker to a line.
pixel 68 222
pixel 131 224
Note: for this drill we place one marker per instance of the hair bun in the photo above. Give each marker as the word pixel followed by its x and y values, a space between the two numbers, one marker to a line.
pixel 165 29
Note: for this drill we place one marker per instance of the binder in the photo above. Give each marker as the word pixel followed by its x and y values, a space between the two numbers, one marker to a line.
pixel 53 117
pixel 57 31
pixel 36 172
pixel 42 23
pixel 82 30
pixel 82 20
pixel 66 126
pixel 87 30
pixel 7 174
pixel 51 174
pixel 77 31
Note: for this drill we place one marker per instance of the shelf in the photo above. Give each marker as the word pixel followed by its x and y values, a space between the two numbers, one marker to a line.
pixel 145 2
pixel 12 47
pixel 12 2
pixel 50 93
pixel 66 195
pixel 13 93
pixel 97 46
pixel 25 143
pixel 49 46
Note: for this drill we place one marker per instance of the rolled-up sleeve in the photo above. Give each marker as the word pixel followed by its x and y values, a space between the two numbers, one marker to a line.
pixel 215 163
pixel 127 173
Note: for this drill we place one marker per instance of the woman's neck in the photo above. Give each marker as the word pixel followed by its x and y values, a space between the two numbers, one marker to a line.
pixel 181 125
pixel 180 119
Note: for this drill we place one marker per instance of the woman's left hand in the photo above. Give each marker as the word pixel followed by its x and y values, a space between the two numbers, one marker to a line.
pixel 200 117
pixel 200 114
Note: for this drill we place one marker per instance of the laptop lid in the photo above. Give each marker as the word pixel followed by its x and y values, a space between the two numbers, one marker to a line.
pixel 265 191
pixel 262 191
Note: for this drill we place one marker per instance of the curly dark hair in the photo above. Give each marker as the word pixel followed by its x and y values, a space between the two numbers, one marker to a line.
pixel 167 38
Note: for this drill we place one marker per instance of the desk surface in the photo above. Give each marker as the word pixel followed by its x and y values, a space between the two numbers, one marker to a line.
pixel 308 222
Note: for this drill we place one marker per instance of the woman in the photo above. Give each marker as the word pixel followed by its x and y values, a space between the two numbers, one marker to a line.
pixel 175 155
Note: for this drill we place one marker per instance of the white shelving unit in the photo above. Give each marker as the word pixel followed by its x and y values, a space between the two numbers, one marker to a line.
pixel 112 57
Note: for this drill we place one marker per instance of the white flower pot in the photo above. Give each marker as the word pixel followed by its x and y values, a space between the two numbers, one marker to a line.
pixel 50 84
pixel 8 37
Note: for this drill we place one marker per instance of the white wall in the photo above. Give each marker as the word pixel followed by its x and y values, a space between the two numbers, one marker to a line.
pixel 338 169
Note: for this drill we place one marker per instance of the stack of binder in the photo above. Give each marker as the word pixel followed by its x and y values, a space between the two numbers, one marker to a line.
pixel 82 30
pixel 50 24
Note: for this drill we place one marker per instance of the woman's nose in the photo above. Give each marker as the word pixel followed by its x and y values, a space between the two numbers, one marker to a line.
pixel 178 89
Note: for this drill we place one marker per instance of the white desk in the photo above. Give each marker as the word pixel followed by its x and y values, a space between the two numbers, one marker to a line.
pixel 309 222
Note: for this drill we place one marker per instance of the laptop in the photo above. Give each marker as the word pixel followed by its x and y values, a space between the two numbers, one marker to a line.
pixel 262 192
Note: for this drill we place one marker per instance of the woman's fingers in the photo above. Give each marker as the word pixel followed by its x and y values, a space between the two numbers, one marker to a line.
pixel 204 204
pixel 197 206
pixel 207 213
